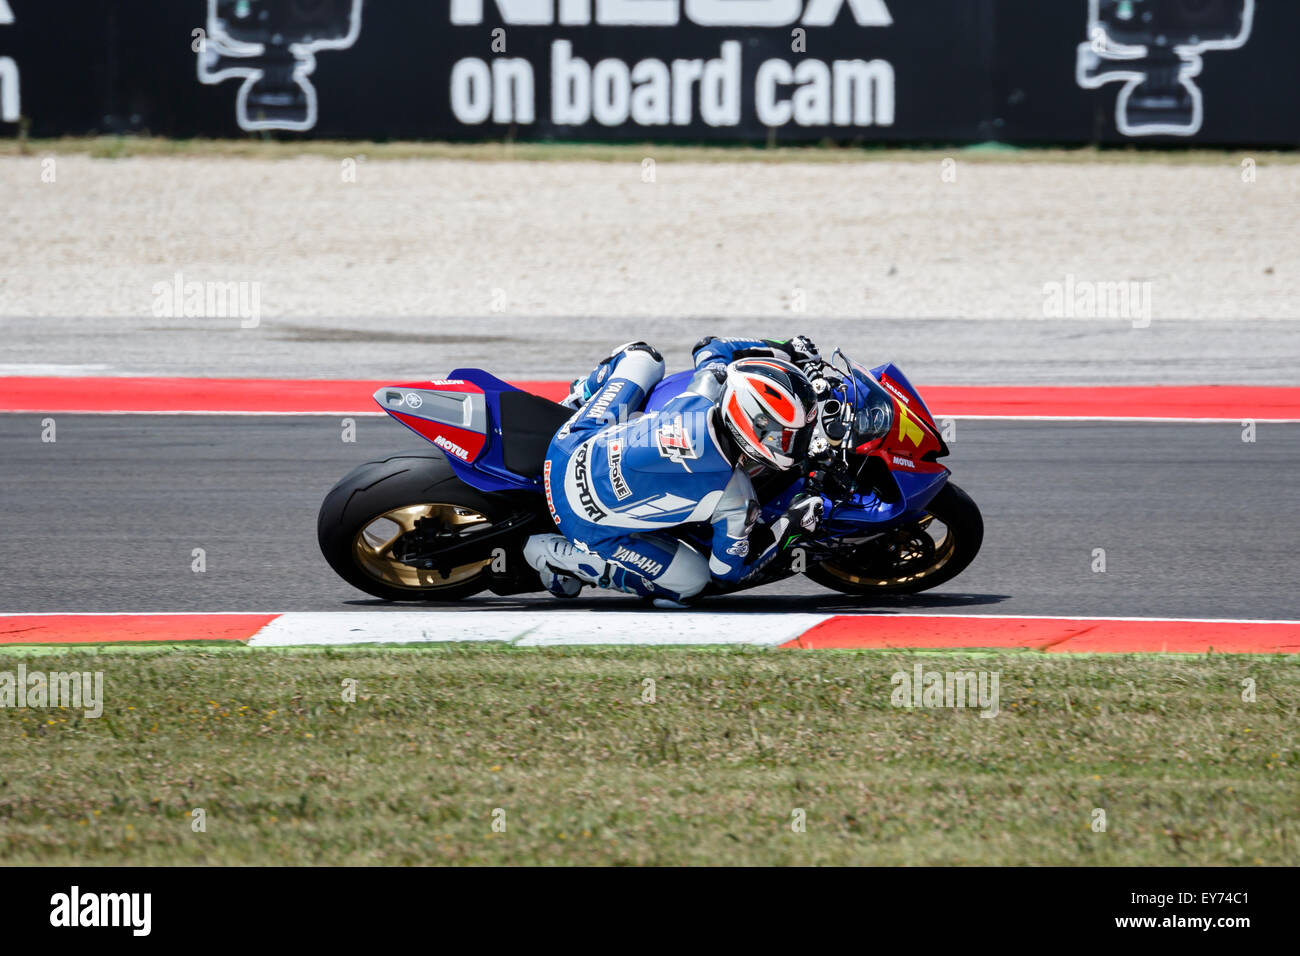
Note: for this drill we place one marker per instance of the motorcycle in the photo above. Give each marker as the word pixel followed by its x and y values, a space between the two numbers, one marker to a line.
pixel 449 520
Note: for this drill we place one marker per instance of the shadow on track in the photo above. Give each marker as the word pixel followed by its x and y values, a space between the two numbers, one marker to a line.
pixel 749 603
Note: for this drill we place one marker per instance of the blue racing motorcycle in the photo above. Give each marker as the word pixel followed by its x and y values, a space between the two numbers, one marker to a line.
pixel 449 520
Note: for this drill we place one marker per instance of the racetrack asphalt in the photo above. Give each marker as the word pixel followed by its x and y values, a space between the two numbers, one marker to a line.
pixel 401 349
pixel 1194 521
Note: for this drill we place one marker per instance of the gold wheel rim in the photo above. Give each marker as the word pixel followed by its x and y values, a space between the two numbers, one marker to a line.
pixel 372 548
pixel 943 552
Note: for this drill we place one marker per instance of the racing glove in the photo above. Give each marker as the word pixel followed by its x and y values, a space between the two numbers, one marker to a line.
pixel 800 350
pixel 800 520
pixel 803 350
pixel 805 513
pixel 763 544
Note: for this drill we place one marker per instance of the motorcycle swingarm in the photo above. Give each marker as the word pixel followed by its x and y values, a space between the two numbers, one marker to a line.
pixel 428 553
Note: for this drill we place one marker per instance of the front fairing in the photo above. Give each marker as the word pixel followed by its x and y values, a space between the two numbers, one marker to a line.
pixel 895 444
pixel 906 450
pixel 869 508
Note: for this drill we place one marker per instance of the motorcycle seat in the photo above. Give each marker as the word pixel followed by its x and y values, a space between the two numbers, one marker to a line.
pixel 528 423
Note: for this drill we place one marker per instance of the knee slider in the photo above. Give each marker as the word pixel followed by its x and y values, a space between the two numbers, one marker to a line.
pixel 640 363
pixel 646 347
pixel 704 342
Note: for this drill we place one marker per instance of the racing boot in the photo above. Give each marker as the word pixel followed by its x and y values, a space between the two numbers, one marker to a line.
pixel 668 604
pixel 563 568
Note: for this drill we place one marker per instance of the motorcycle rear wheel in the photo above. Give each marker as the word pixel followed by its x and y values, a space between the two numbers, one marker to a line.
pixel 912 558
pixel 365 514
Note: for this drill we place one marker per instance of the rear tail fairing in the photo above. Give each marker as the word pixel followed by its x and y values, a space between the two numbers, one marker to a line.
pixel 461 414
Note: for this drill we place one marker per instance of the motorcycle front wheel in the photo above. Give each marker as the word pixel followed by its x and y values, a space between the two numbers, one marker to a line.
pixel 915 557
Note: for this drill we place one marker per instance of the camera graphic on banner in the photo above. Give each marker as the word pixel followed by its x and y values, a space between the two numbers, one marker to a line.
pixel 10 101
pixel 272 45
pixel 1154 47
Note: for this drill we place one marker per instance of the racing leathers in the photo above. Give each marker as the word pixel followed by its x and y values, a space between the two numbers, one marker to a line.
pixel 617 479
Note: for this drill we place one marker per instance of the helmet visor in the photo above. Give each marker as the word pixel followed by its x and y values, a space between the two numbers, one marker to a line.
pixel 786 441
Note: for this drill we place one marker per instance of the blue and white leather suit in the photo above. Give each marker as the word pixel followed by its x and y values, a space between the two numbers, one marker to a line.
pixel 616 479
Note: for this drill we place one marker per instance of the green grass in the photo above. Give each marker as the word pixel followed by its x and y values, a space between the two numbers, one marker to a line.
pixel 711 772
pixel 122 147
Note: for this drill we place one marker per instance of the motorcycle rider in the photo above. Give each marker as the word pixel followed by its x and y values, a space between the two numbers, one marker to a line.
pixel 617 479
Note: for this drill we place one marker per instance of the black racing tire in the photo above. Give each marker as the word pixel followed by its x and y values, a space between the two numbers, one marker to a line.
pixel 859 572
pixel 386 485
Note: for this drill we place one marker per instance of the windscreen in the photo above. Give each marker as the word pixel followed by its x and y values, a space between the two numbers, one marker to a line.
pixel 873 409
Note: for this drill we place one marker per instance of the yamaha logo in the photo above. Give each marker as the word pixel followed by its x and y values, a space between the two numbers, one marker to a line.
pixel 413 400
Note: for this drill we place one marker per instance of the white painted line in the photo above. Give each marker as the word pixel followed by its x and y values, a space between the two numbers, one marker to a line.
pixel 402 627
pixel 38 370
pixel 532 628
pixel 671 627
pixel 5 614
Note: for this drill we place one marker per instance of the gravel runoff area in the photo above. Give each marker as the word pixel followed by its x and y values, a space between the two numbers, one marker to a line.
pixel 479 241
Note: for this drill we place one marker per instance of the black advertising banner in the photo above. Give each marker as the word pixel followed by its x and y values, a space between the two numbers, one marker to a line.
pixel 948 71
pixel 722 69
pixel 1159 71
